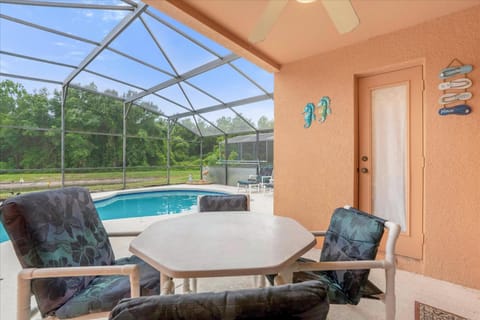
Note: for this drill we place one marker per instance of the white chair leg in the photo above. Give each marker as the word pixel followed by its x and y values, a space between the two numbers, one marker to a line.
pixel 278 280
pixel 262 283
pixel 390 303
pixel 186 285
pixel 194 285
pixel 259 281
pixel 23 298
pixel 166 284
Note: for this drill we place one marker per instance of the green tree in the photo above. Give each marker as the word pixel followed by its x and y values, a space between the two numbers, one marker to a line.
pixel 26 119
pixel 30 131
pixel 264 123
pixel 147 132
pixel 233 155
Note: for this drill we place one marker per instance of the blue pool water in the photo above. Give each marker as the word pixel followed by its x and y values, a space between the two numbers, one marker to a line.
pixel 148 203
pixel 142 204
pixel 3 234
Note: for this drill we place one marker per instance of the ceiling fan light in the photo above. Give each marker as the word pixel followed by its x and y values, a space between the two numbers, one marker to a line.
pixel 306 1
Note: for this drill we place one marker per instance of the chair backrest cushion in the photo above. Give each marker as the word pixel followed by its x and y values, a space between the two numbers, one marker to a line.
pixel 56 228
pixel 266 171
pixel 234 202
pixel 352 235
pixel 306 300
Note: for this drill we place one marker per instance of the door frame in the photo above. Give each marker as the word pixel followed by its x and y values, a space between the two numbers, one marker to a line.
pixel 418 253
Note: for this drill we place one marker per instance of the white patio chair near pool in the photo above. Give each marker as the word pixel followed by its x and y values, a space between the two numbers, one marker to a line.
pixel 256 182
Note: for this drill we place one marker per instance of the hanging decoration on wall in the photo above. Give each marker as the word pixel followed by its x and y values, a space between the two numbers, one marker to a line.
pixel 450 89
pixel 462 83
pixel 309 114
pixel 461 110
pixel 454 97
pixel 324 106
pixel 324 110
pixel 453 71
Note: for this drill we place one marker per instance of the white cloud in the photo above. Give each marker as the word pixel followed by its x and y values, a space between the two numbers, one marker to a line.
pixel 113 15
pixel 89 14
pixel 60 44
pixel 77 53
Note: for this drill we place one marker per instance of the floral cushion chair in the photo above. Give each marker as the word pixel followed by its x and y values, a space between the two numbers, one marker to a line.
pixel 67 259
pixel 349 252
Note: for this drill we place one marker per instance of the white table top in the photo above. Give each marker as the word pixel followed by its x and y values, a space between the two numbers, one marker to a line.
pixel 222 244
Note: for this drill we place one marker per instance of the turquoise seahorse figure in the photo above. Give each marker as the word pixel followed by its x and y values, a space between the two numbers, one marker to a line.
pixel 324 106
pixel 309 114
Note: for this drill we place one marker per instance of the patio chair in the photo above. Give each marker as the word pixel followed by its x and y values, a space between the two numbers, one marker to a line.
pixel 307 300
pixel 256 181
pixel 349 252
pixel 266 177
pixel 68 262
pixel 230 202
pixel 253 182
pixel 266 171
pixel 267 183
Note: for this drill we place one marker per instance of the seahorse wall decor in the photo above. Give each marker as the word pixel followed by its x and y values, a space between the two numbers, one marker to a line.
pixel 309 114
pixel 324 106
pixel 324 110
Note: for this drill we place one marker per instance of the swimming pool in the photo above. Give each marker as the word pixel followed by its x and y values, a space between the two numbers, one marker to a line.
pixel 140 204
pixel 148 203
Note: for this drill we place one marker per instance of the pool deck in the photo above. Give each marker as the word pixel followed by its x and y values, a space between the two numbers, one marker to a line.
pixel 410 287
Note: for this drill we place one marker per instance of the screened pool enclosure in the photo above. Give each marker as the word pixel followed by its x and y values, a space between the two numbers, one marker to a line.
pixel 115 94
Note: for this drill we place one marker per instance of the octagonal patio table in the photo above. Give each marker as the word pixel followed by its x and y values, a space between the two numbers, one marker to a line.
pixel 219 244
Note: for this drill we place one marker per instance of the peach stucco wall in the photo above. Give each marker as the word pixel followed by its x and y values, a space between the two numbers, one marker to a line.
pixel 315 168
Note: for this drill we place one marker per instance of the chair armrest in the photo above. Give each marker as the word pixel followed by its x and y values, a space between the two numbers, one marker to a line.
pixel 319 233
pixel 393 233
pixel 341 265
pixel 305 260
pixel 26 275
pixel 123 233
pixel 37 273
pixel 131 270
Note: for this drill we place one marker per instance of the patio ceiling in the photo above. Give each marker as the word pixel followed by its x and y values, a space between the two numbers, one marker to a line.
pixel 132 52
pixel 301 29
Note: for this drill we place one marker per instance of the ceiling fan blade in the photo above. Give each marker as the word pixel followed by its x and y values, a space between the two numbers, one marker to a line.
pixel 267 20
pixel 342 14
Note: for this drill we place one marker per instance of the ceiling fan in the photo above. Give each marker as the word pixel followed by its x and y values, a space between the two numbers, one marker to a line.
pixel 340 11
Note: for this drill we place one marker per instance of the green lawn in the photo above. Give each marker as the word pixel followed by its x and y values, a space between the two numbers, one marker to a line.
pixel 95 181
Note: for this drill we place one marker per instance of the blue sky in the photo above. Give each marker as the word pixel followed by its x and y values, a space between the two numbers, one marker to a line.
pixel 223 83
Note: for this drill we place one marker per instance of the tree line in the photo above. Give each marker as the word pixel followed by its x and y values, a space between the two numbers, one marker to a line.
pixel 30 132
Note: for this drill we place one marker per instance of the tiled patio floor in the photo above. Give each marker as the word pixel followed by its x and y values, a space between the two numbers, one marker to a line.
pixel 410 287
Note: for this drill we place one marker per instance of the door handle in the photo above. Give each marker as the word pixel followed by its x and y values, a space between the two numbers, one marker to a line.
pixel 364 170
